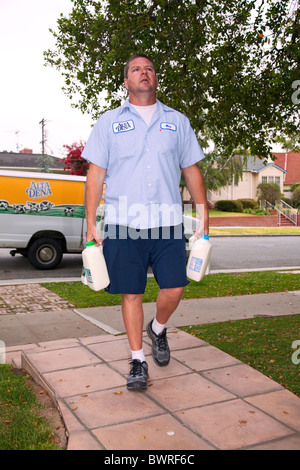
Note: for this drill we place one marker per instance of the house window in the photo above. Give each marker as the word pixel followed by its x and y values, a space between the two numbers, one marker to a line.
pixel 271 179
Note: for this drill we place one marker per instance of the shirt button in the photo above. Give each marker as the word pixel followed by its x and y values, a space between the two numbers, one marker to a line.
pixel 148 167
pixel 149 185
pixel 147 150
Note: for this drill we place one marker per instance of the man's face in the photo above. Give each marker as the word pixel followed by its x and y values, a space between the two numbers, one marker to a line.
pixel 141 77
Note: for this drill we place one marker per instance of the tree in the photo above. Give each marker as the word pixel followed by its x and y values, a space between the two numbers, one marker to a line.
pixel 228 65
pixel 44 163
pixel 269 192
pixel 295 189
pixel 74 163
pixel 292 144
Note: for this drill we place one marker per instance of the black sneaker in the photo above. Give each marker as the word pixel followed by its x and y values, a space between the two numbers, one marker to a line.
pixel 160 347
pixel 138 375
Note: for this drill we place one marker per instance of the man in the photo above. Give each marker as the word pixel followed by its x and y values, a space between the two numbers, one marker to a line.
pixel 139 150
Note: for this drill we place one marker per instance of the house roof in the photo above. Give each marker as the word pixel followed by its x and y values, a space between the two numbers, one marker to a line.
pixel 290 162
pixel 25 160
pixel 255 165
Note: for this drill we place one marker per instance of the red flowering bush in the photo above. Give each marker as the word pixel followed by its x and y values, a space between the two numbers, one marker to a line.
pixel 74 164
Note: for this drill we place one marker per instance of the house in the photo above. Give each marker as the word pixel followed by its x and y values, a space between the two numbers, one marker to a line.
pixel 290 162
pixel 28 161
pixel 255 172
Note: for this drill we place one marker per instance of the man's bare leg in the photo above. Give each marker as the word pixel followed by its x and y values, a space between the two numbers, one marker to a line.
pixel 167 302
pixel 133 316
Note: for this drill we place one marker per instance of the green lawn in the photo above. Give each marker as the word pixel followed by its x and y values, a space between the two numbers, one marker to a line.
pixel 254 231
pixel 263 343
pixel 215 213
pixel 22 427
pixel 213 285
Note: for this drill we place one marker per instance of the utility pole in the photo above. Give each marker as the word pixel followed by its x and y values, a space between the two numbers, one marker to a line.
pixel 17 145
pixel 42 122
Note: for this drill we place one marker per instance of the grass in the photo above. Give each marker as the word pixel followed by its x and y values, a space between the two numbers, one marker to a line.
pixel 254 231
pixel 263 343
pixel 215 213
pixel 213 285
pixel 22 427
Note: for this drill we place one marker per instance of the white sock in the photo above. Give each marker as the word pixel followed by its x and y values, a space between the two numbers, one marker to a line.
pixel 138 355
pixel 157 328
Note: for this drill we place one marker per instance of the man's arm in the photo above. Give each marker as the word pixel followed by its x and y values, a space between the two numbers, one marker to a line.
pixel 196 187
pixel 94 190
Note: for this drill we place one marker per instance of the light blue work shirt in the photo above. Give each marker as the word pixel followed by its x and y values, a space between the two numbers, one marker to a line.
pixel 143 164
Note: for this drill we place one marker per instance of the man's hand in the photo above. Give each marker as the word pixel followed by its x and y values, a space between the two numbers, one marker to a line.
pixel 92 235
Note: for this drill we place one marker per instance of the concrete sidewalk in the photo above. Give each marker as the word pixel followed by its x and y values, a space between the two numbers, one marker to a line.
pixel 203 400
pixel 63 321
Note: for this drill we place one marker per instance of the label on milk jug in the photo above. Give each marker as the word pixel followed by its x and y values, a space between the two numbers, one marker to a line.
pixel 89 276
pixel 196 264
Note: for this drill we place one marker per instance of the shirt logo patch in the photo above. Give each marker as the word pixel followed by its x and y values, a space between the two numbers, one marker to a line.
pixel 168 126
pixel 123 126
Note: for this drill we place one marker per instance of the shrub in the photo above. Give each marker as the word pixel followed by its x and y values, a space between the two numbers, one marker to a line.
pixel 296 198
pixel 229 206
pixel 248 203
pixel 74 164
pixel 288 201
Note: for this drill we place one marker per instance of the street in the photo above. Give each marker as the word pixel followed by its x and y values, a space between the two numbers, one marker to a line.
pixel 228 253
pixel 255 252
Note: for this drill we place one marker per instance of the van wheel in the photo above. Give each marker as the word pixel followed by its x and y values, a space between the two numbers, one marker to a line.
pixel 45 253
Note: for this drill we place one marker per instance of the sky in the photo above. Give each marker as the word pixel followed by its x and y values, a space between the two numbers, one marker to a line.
pixel 29 91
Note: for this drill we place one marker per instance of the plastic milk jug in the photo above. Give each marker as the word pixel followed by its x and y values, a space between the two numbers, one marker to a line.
pixel 83 276
pixel 94 272
pixel 199 258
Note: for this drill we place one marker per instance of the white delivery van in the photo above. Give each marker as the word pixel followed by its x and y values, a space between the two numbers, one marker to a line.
pixel 42 216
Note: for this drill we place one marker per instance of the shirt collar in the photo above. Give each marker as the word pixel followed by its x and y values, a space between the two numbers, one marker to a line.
pixel 160 107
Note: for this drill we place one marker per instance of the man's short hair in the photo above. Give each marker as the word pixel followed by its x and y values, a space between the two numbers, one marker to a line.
pixel 133 57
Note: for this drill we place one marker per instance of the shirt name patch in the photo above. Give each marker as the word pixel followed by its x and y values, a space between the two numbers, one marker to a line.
pixel 123 126
pixel 168 126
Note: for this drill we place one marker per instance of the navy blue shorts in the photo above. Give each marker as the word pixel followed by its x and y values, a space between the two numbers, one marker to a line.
pixel 129 252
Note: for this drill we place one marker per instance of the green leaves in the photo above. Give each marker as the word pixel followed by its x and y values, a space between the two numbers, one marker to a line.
pixel 228 65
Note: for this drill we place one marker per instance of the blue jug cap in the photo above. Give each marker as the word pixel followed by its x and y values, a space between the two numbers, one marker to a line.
pixel 205 237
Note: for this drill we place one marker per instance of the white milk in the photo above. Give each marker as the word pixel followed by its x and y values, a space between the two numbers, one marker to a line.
pixel 198 262
pixel 96 275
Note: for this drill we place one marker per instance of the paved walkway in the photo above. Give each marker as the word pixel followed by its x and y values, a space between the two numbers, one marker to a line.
pixel 26 298
pixel 203 400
